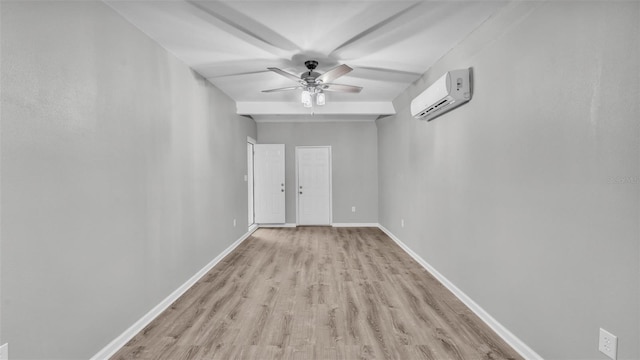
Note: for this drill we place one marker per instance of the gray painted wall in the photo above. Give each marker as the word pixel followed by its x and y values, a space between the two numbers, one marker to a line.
pixel 527 198
pixel 122 171
pixel 354 162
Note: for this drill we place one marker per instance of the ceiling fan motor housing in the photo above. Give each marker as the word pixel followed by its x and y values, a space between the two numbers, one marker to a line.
pixel 310 76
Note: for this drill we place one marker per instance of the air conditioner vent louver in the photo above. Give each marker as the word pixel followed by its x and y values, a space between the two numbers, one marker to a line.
pixel 448 92
pixel 435 107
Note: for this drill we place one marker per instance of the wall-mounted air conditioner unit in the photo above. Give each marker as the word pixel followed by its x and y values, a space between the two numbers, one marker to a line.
pixel 450 91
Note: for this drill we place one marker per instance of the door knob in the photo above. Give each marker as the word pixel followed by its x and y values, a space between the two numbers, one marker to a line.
pixel 300 192
pixel 281 190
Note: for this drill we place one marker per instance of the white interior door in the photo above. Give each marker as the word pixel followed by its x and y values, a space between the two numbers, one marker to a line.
pixel 313 167
pixel 269 194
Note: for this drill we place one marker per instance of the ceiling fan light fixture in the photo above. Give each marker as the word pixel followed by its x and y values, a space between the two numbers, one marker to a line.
pixel 306 98
pixel 320 100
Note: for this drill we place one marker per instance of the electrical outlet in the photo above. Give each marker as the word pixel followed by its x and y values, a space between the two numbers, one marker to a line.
pixel 608 344
pixel 246 178
pixel 4 352
pixel 402 222
pixel 234 222
pixel 353 209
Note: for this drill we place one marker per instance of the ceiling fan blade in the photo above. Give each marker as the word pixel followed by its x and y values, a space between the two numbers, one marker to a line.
pixel 283 89
pixel 341 88
pixel 287 74
pixel 334 73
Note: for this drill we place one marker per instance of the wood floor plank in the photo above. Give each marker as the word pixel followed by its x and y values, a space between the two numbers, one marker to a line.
pixel 317 293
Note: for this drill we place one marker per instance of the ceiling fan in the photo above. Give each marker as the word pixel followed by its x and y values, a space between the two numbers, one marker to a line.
pixel 314 83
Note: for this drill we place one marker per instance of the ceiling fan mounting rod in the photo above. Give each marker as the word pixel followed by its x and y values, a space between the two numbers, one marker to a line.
pixel 311 65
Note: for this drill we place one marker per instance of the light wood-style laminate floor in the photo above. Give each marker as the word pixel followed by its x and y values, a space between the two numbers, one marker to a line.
pixel 317 293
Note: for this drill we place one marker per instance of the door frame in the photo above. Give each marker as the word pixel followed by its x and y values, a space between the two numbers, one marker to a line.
pixel 251 191
pixel 297 188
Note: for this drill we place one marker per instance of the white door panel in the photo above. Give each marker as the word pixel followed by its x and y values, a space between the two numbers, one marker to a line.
pixel 314 185
pixel 269 183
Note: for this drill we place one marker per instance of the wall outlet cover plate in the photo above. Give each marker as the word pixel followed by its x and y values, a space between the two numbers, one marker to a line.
pixel 608 344
pixel 4 352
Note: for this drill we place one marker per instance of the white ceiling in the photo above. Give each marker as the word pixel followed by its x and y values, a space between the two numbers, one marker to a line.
pixel 389 44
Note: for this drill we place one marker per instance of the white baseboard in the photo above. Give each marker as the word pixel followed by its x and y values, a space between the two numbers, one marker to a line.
pixel 354 225
pixel 290 225
pixel 513 341
pixel 287 225
pixel 139 325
